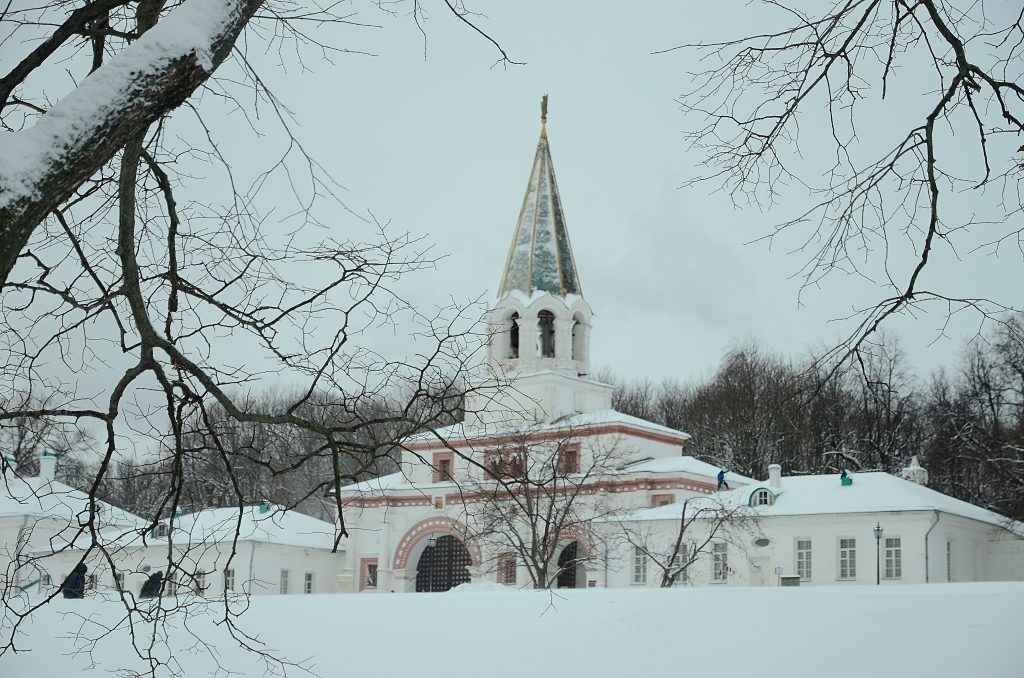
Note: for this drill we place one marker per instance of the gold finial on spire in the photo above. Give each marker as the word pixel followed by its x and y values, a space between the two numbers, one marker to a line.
pixel 544 116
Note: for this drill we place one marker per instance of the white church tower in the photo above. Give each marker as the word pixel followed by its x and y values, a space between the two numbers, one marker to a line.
pixel 540 325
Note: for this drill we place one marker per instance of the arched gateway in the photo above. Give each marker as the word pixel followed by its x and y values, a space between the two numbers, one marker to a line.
pixel 435 555
pixel 443 565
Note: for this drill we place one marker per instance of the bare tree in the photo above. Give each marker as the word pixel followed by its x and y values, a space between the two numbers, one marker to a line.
pixel 702 523
pixel 537 500
pixel 148 314
pixel 830 78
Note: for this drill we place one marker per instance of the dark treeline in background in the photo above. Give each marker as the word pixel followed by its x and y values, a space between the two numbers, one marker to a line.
pixel 965 423
pixel 227 463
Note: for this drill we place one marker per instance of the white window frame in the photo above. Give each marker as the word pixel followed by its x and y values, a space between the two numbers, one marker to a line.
pixel 803 558
pixel 892 552
pixel 119 581
pixel 763 497
pixel 846 556
pixel 307 583
pixel 282 587
pixel 229 580
pixel 720 562
pixel 200 583
pixel 639 566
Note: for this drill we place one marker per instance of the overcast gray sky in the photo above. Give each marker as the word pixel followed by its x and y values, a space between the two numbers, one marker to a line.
pixel 442 147
pixel 436 140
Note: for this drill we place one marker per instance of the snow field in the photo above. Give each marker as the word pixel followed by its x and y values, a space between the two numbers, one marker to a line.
pixel 934 631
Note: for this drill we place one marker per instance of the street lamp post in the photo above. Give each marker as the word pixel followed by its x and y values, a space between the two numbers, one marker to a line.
pixel 878 554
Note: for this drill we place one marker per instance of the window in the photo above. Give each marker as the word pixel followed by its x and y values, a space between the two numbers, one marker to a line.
pixel 680 562
pixel 443 466
pixel 546 327
pixel 507 463
pixel 893 558
pixel 47 580
pixel 439 502
pixel 949 561
pixel 662 500
pixel 229 580
pixel 762 498
pixel 847 558
pixel 639 565
pixel 284 582
pixel 804 559
pixel 569 459
pixel 119 581
pixel 91 581
pixel 170 586
pixel 307 586
pixel 513 336
pixel 200 583
pixel 720 562
pixel 367 573
pixel 507 569
pixel 160 531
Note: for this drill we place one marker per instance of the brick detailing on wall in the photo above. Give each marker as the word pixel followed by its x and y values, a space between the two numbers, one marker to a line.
pixel 438 525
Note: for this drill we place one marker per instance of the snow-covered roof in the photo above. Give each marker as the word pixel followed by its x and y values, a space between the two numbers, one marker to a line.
pixel 275 526
pixel 41 498
pixel 380 484
pixel 459 432
pixel 684 464
pixel 821 494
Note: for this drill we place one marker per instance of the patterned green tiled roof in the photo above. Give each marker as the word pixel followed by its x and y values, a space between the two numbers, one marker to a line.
pixel 540 258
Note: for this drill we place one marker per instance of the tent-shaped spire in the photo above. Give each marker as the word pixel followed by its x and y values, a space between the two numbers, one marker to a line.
pixel 541 258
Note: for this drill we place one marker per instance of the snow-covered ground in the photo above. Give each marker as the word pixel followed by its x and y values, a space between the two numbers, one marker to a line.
pixel 937 631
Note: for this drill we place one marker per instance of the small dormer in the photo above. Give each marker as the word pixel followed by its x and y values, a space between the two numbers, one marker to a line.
pixel 761 496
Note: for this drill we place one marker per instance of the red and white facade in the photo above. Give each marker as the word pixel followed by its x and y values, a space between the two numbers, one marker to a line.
pixel 537 391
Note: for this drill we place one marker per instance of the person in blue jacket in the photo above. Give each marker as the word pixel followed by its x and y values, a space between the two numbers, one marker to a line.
pixel 74 585
pixel 721 480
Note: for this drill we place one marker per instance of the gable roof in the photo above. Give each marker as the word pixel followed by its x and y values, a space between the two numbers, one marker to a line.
pixel 275 526
pixel 40 498
pixel 824 494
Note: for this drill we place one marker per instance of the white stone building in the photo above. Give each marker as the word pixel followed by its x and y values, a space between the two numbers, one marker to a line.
pixel 872 528
pixel 412 530
pixel 42 540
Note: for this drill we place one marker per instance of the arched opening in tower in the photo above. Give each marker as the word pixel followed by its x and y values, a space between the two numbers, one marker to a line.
pixel 546 327
pixel 578 332
pixel 513 336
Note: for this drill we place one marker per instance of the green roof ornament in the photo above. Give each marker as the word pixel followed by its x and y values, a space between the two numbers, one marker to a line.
pixel 265 507
pixel 845 478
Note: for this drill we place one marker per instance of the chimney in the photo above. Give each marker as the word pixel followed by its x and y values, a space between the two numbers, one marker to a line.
pixel 775 476
pixel 914 472
pixel 47 465
pixel 10 465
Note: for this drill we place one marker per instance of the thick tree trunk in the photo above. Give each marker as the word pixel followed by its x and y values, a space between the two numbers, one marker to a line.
pixel 158 89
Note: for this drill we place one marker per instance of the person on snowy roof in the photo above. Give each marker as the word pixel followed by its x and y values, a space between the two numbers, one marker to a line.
pixel 151 589
pixel 721 480
pixel 74 585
